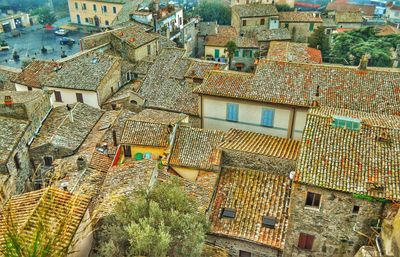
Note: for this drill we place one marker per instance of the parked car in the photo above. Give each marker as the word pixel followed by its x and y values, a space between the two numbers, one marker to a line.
pixel 67 41
pixel 4 46
pixel 61 32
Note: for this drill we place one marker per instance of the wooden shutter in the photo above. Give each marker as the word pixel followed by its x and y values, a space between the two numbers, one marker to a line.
pixel 79 97
pixel 302 241
pixel 267 117
pixel 57 95
pixel 309 242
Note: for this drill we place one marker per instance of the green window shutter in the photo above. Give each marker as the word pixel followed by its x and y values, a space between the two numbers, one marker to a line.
pixel 311 26
pixel 236 53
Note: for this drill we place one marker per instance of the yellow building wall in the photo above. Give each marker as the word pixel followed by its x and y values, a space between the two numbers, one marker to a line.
pixel 210 51
pixel 155 151
pixel 89 13
pixel 186 173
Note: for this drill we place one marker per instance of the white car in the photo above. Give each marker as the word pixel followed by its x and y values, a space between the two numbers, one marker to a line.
pixel 61 32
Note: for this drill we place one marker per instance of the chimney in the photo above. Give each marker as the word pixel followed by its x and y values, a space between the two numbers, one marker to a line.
pixel 315 102
pixel 363 62
pixel 8 100
pixel 71 116
pixel 81 163
pixel 114 135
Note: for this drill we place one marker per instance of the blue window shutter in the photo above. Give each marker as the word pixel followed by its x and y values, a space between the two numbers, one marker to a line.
pixel 267 117
pixel 232 112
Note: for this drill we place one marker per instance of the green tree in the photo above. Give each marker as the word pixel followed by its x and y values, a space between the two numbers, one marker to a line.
pixel 320 40
pixel 46 16
pixel 231 47
pixel 163 222
pixel 284 8
pixel 348 47
pixel 214 10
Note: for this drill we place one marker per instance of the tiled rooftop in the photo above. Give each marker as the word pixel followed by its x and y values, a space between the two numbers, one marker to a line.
pixel 35 73
pixel 145 133
pixel 388 30
pixel 365 10
pixel 293 52
pixel 252 195
pixel 198 69
pixel 207 28
pixel 7 75
pixel 50 208
pixel 371 90
pixel 157 116
pixel 255 10
pixel 263 34
pixel 196 148
pixel 84 72
pixel 252 142
pixel 11 131
pixel 165 87
pixel 61 132
pixel 21 96
pixel 364 161
pixel 348 17
pixel 134 36
pixel 299 17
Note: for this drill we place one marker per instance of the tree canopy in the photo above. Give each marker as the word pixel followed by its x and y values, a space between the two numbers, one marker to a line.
pixel 348 47
pixel 231 47
pixel 163 222
pixel 214 10
pixel 46 16
pixel 319 40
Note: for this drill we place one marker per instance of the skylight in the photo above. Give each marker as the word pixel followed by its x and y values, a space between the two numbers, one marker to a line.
pixel 346 123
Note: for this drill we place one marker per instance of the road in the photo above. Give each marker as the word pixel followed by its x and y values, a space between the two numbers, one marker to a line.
pixel 29 44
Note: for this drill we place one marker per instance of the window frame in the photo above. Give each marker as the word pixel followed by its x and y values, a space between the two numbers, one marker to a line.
pixel 79 97
pixel 263 118
pixel 84 7
pixel 104 8
pixel 244 23
pixel 313 201
pixel 57 96
pixel 232 117
pixel 76 6
pixel 305 241
pixel 114 8
pixel 94 8
pixel 262 21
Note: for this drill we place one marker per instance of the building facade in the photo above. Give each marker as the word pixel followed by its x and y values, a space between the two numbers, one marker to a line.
pixel 249 17
pixel 100 13
pixel 300 24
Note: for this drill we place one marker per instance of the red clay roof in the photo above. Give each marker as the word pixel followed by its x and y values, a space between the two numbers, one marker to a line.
pixel 366 10
pixel 35 73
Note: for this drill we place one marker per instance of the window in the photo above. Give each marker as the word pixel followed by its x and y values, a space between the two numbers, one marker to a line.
pixel 346 123
pixel 267 117
pixel 57 95
pixel 262 22
pixel 305 241
pixel 356 209
pixel 268 222
pixel 95 8
pixel 286 25
pixel 107 23
pixel 83 6
pixel 129 76
pixel 232 111
pixel 48 161
pixel 87 20
pixel 17 161
pixel 236 53
pixel 244 23
pixel 114 9
pixel 104 8
pixel 313 199
pixel 79 97
pixel 311 26
pixel 247 53
pixel 228 213
pixel 244 254
pixel 91 20
pixel 148 49
pixel 29 88
pixel 76 6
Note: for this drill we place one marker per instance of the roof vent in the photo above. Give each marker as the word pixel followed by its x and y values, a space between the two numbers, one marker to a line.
pixel 268 222
pixel 228 213
pixel 346 123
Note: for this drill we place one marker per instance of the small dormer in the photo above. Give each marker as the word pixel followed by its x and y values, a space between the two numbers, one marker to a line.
pixel 268 222
pixel 228 213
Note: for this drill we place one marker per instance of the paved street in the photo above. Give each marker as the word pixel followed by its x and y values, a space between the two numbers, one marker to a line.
pixel 32 39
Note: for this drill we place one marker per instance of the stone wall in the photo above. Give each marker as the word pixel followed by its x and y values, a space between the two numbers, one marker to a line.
pixel 336 228
pixel 95 40
pixel 109 84
pixel 391 232
pixel 257 162
pixel 233 246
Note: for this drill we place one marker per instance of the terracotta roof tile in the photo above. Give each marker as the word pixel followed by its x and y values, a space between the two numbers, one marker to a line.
pixel 340 86
pixel 252 194
pixel 255 10
pixel 252 142
pixel 263 34
pixel 157 116
pixel 145 133
pixel 11 132
pixel 196 148
pixel 134 36
pixel 348 17
pixel 388 30
pixel 50 205
pixel 364 161
pixel 293 52
pixel 100 162
pixel 366 10
pixel 299 17
pixel 35 73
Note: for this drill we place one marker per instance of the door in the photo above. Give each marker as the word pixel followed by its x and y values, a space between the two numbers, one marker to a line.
pixel 78 18
pixel 216 53
pixel 96 21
